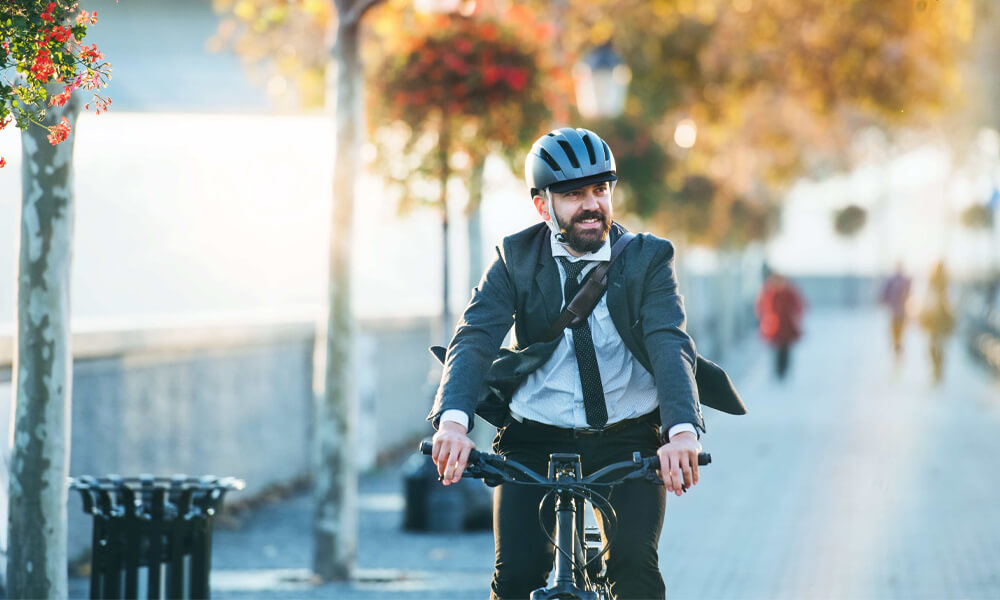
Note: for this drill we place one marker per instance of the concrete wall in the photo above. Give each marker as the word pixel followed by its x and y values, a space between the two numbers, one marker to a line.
pixel 226 400
pixel 839 290
pixel 719 302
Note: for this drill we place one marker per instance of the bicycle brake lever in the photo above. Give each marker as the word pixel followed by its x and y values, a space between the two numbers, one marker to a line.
pixel 479 471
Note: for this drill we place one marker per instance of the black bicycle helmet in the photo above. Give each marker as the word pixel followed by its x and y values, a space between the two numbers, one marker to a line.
pixel 568 158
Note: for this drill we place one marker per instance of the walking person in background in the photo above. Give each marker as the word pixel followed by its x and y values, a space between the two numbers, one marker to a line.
pixel 895 293
pixel 937 317
pixel 779 308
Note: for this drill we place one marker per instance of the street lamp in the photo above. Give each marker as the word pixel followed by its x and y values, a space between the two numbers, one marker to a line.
pixel 465 8
pixel 686 133
pixel 436 6
pixel 601 80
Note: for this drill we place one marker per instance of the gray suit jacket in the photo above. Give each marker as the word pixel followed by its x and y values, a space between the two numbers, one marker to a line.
pixel 522 288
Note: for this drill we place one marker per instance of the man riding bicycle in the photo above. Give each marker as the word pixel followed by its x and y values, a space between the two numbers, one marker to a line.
pixel 623 380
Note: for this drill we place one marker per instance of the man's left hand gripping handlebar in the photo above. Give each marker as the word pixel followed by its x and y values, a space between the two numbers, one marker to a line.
pixel 679 462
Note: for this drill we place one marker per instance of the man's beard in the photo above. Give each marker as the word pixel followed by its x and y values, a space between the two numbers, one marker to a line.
pixel 589 240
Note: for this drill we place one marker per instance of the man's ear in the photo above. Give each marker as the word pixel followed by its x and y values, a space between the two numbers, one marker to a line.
pixel 540 207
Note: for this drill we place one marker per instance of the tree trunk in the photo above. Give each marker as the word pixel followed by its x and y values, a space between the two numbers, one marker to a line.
pixel 335 526
pixel 43 366
pixel 444 151
pixel 475 223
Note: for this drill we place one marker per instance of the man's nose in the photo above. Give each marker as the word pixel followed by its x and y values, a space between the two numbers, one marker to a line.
pixel 590 202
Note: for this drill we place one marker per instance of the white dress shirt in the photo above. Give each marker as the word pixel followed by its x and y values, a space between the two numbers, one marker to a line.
pixel 553 393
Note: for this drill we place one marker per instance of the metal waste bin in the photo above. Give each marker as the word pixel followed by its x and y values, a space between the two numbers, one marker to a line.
pixel 152 533
pixel 431 506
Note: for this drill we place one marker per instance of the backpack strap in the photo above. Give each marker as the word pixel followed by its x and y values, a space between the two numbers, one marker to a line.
pixel 591 290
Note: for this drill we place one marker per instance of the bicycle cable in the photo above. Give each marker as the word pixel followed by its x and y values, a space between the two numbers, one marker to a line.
pixel 603 506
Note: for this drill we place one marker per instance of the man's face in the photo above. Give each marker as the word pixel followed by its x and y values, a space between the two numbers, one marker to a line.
pixel 584 215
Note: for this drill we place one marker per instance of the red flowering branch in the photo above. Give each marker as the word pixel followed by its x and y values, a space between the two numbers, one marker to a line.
pixel 478 84
pixel 42 41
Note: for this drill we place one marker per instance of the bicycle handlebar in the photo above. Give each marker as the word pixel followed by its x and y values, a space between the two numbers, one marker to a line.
pixel 495 469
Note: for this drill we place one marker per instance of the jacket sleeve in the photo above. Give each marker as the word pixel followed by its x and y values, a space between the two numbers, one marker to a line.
pixel 478 336
pixel 671 351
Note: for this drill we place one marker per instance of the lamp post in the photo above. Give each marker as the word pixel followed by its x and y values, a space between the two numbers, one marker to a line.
pixel 445 7
pixel 601 80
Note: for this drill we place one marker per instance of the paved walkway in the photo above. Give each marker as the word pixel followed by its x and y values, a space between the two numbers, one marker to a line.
pixel 852 479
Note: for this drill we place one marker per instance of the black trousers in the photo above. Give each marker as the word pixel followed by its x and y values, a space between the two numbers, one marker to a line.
pixel 524 556
pixel 783 354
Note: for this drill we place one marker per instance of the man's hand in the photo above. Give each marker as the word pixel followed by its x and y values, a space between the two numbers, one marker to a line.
pixel 451 451
pixel 679 462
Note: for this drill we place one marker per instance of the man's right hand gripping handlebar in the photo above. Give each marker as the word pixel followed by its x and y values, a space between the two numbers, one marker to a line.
pixel 451 451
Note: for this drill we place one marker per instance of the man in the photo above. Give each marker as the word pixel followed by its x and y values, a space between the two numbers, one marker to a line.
pixel 895 294
pixel 622 381
pixel 938 318
pixel 779 307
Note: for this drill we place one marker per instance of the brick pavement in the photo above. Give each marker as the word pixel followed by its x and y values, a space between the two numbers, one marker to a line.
pixel 850 480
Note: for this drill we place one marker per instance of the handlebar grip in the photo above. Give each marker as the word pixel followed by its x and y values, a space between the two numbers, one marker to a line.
pixel 704 458
pixel 426 447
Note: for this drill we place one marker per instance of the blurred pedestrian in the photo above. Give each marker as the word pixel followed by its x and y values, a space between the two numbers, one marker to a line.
pixel 937 317
pixel 779 308
pixel 895 294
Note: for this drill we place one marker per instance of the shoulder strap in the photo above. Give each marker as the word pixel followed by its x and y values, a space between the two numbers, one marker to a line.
pixel 583 303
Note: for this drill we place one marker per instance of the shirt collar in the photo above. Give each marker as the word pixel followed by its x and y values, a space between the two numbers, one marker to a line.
pixel 602 253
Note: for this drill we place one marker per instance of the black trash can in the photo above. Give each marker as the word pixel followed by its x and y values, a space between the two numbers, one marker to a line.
pixel 152 533
pixel 431 506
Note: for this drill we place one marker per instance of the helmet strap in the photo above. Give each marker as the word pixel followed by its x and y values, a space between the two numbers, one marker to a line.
pixel 552 222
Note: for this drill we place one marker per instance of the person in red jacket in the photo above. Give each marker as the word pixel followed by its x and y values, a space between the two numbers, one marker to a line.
pixel 779 308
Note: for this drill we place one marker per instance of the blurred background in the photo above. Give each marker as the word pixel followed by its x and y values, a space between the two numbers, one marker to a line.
pixel 831 144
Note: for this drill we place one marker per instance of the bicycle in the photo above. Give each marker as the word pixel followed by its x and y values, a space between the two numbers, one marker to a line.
pixel 580 572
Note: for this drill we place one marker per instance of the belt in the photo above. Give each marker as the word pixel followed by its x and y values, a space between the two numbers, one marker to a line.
pixel 573 433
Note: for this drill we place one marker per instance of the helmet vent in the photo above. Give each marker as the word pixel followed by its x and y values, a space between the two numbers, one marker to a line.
pixel 607 151
pixel 590 149
pixel 548 159
pixel 569 152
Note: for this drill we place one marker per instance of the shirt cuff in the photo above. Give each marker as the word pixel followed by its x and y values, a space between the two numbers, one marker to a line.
pixel 458 416
pixel 678 428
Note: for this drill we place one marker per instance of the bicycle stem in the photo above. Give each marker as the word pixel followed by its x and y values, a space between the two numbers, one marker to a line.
pixel 565 516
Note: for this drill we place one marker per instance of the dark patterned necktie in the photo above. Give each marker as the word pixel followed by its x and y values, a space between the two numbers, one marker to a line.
pixel 586 357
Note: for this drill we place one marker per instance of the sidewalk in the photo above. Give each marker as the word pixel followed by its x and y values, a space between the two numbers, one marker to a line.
pixel 850 480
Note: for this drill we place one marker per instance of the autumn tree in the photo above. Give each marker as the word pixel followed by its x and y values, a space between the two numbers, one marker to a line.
pixel 776 88
pixel 42 42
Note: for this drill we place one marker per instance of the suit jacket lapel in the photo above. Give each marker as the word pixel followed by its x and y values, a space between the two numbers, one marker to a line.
pixel 617 299
pixel 547 281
